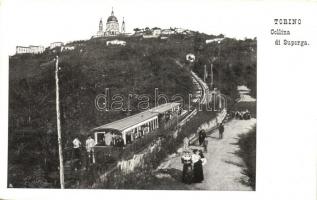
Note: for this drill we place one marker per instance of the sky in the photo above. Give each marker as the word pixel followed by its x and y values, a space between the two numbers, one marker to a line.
pixel 40 22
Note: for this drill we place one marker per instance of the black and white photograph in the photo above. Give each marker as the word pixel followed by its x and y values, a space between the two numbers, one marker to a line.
pixel 169 96
pixel 136 105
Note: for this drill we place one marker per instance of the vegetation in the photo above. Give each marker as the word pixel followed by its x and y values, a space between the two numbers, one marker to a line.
pixel 247 144
pixel 234 63
pixel 137 68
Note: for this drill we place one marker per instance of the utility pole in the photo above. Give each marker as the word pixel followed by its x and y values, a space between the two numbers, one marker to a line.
pixel 59 130
pixel 211 76
pixel 205 73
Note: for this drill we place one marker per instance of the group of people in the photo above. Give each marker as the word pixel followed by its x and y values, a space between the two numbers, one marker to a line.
pixel 243 115
pixel 193 166
pixel 117 141
pixel 193 162
pixel 111 139
pixel 77 148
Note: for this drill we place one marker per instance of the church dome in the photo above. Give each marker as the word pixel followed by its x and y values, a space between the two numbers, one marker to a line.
pixel 112 18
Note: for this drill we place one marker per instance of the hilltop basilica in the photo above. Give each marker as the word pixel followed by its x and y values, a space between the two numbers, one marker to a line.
pixel 112 27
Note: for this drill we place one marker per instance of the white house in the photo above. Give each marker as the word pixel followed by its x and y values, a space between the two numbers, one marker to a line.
pixel 67 48
pixel 21 50
pixel 56 44
pixel 156 31
pixel 150 36
pixel 116 42
pixel 179 30
pixel 243 90
pixel 30 49
pixel 214 40
pixel 167 32
pixel 36 49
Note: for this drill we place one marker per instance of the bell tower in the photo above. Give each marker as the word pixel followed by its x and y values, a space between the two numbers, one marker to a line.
pixel 100 25
pixel 123 26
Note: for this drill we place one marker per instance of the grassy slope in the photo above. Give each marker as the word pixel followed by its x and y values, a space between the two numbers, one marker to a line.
pixel 138 68
pixel 141 66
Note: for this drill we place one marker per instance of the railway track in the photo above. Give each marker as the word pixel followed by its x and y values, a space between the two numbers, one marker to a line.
pixel 203 88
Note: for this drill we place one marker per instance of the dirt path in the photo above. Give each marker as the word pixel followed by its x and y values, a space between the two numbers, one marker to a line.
pixel 224 167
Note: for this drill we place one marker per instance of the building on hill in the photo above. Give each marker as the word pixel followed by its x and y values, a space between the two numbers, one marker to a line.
pixel 56 44
pixel 243 90
pixel 67 48
pixel 167 32
pixel 36 49
pixel 179 30
pixel 138 32
pixel 100 32
pixel 123 27
pixel 214 40
pixel 150 36
pixel 30 49
pixel 156 31
pixel 116 42
pixel 112 27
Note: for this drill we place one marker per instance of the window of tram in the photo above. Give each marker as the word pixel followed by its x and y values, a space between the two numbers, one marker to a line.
pixel 100 138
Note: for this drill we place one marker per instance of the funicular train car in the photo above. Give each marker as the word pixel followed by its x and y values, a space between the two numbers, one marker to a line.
pixel 113 138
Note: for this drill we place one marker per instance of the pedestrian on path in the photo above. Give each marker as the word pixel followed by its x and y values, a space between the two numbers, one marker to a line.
pixel 221 129
pixel 198 174
pixel 187 168
pixel 185 143
pixel 201 137
pixel 205 144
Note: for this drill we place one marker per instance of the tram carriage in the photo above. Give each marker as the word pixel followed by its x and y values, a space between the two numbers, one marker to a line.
pixel 121 133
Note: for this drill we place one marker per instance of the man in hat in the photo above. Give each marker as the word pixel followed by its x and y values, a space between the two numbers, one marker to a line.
pixel 221 129
pixel 90 143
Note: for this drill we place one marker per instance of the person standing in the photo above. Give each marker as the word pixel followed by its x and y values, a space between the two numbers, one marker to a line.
pixel 198 174
pixel 90 143
pixel 205 144
pixel 76 148
pixel 129 137
pixel 186 143
pixel 187 168
pixel 221 129
pixel 201 137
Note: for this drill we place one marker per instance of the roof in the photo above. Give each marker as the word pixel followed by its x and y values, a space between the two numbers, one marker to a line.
pixel 243 87
pixel 164 107
pixel 112 19
pixel 246 98
pixel 127 122
pixel 36 46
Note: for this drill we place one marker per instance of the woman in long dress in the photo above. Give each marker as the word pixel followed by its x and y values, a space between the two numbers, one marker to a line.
pixel 198 167
pixel 187 168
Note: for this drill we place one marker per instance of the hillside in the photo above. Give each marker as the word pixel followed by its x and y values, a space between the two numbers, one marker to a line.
pixel 137 69
pixel 234 63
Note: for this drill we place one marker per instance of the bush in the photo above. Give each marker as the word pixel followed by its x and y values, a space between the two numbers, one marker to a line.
pixel 247 144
